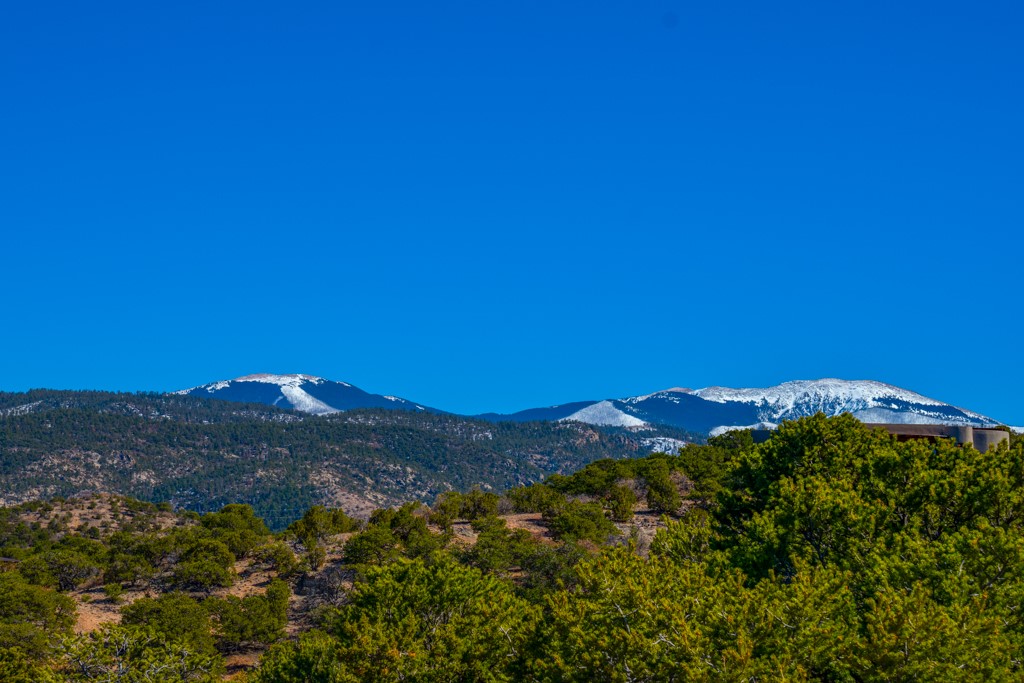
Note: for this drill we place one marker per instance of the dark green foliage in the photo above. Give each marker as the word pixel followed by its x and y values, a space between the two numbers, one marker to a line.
pixel 477 504
pixel 18 667
pixel 391 533
pixel 408 524
pixel 577 521
pixel 635 619
pixel 133 558
pixel 113 591
pixel 135 655
pixel 541 498
pixel 829 553
pixel 707 466
pixel 612 482
pixel 202 562
pixel 620 501
pixel 253 620
pixel 65 569
pixel 203 454
pixel 597 478
pixel 315 658
pixel 452 505
pixel 31 616
pixel 837 553
pixel 173 616
pixel 237 527
pixel 662 494
pixel 278 557
pixel 548 568
pixel 498 550
pixel 374 546
pixel 437 622
pixel 36 570
pixel 319 523
pixel 447 509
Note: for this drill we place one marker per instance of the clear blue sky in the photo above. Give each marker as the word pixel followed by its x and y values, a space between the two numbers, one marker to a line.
pixel 500 205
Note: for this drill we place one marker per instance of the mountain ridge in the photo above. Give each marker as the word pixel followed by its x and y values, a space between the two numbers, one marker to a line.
pixel 306 393
pixel 709 410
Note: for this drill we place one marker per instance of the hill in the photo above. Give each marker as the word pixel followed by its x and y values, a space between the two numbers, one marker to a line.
pixel 830 552
pixel 713 410
pixel 201 453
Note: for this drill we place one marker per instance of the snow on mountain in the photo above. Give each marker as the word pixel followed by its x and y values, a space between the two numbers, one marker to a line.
pixel 262 378
pixel 718 431
pixel 663 444
pixel 868 400
pixel 305 393
pixel 283 380
pixel 712 410
pixel 305 403
pixel 23 409
pixel 715 410
pixel 788 395
pixel 604 413
pixel 667 394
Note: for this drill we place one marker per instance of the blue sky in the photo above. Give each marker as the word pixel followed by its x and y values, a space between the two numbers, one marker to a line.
pixel 499 205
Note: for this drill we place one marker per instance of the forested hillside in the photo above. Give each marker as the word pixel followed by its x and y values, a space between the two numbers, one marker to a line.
pixel 829 553
pixel 202 454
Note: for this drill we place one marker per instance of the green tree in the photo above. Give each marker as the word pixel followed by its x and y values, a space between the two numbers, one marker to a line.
pixel 621 501
pixel 315 658
pixel 498 549
pixel 252 620
pixel 435 622
pixel 131 654
pixel 662 494
pixel 18 667
pixel 62 568
pixel 237 527
pixel 374 546
pixel 413 621
pixel 204 563
pixel 319 523
pixel 581 521
pixel 537 498
pixel 634 619
pixel 173 616
pixel 31 616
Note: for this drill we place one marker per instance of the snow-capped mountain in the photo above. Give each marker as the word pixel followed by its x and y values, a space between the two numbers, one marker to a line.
pixel 715 409
pixel 305 393
pixel 711 410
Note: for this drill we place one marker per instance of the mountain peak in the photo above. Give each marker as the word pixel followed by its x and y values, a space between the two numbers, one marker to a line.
pixel 282 380
pixel 305 393
pixel 710 409
pixel 714 409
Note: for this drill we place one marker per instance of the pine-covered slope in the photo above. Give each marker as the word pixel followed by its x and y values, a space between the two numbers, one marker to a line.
pixel 201 453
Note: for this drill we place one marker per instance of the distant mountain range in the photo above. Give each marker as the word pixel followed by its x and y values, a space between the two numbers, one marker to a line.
pixel 200 453
pixel 709 411
pixel 305 393
pixel 284 442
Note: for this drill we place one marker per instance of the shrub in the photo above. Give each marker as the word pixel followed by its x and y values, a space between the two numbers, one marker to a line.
pixel 113 591
pixel 256 619
pixel 173 616
pixel 581 521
